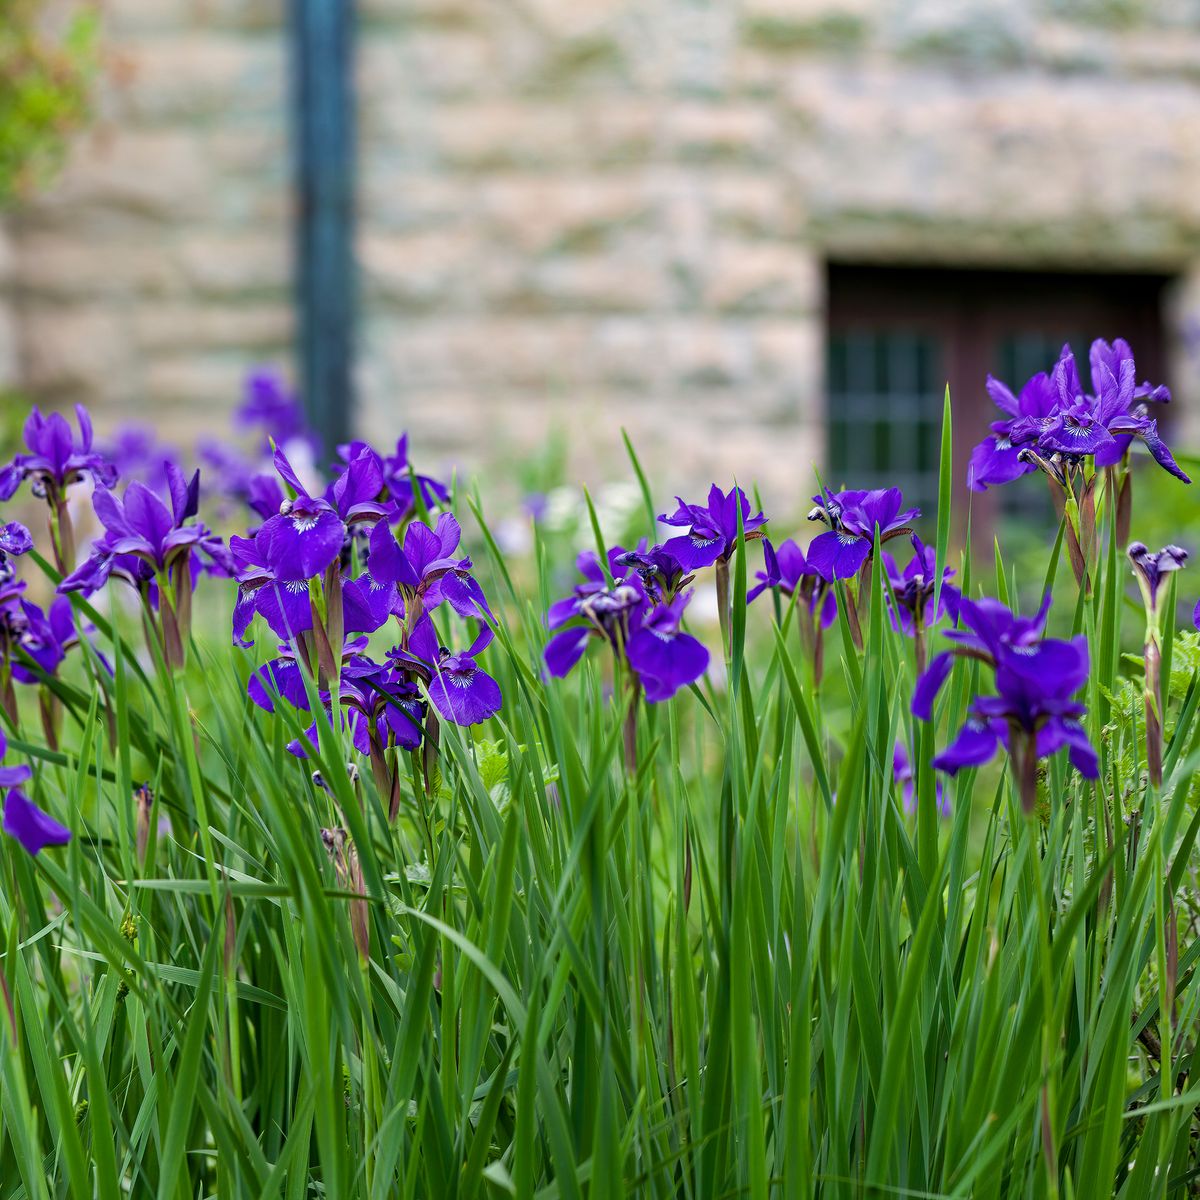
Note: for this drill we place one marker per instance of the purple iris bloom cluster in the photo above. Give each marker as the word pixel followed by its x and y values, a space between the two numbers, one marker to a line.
pixel 158 547
pixel 33 644
pixel 1033 714
pixel 324 572
pixel 55 459
pixel 301 570
pixel 1055 426
pixel 640 624
pixel 33 641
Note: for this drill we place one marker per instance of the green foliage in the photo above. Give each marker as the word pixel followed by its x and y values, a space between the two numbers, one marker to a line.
pixel 43 91
pixel 744 969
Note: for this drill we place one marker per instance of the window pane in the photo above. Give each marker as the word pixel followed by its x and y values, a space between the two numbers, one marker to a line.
pixel 884 412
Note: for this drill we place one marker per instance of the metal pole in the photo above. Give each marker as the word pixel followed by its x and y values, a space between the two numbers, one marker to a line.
pixel 323 149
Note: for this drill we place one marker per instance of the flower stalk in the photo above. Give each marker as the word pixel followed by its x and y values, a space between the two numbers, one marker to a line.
pixel 1150 569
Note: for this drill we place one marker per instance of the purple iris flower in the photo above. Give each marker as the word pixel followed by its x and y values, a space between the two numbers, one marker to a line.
pixel 285 603
pixel 46 638
pixel 228 468
pixel 357 494
pixel 593 610
pixel 460 690
pixel 661 573
pixel 1151 567
pixel 1113 358
pixel 914 587
pixel 787 569
pixel 1100 426
pixel 306 535
pixel 268 405
pixel 136 453
pixel 989 630
pixel 56 458
pixel 996 460
pixel 23 820
pixel 790 571
pixel 144 537
pixel 852 517
pixel 427 568
pixel 380 700
pixel 1033 715
pixel 398 478
pixel 662 655
pixel 712 528
pixel 386 706
pixel 15 540
pixel 588 565
pixel 264 495
pixel 902 773
pixel 649 637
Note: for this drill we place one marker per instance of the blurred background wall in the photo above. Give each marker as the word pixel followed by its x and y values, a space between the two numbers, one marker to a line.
pixel 681 217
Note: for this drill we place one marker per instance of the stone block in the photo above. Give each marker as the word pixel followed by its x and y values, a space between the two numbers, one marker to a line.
pixel 210 383
pixel 395 199
pixel 105 267
pixel 479 352
pixel 198 76
pixel 122 17
pixel 186 326
pixel 703 352
pixel 422 269
pixel 229 265
pixel 720 132
pixel 239 14
pixel 576 213
pixel 752 277
pixel 425 64
pixel 498 134
pixel 157 174
pixel 631 278
pixel 81 351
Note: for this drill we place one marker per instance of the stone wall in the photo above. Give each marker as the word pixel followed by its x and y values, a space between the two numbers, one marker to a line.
pixel 158 265
pixel 600 212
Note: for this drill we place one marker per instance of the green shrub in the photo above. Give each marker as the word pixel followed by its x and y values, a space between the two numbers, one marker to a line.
pixel 43 91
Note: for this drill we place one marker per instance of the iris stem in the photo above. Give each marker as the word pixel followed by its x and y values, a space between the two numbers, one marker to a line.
pixel 1152 700
pixel 62 534
pixel 630 730
pixel 722 583
pixel 8 694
